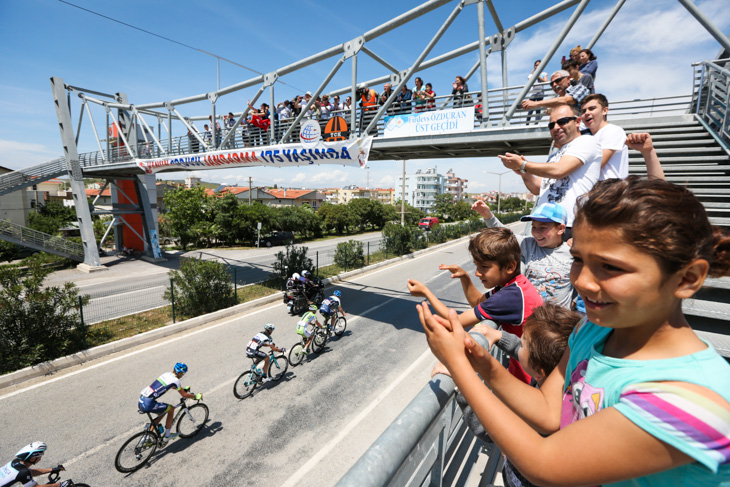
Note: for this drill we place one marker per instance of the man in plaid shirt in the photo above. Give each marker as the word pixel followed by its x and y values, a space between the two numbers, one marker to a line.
pixel 567 94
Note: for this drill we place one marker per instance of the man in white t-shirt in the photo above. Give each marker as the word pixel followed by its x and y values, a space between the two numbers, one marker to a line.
pixel 611 138
pixel 570 171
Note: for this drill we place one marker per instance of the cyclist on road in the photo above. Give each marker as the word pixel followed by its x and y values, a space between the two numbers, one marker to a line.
pixel 305 325
pixel 149 395
pixel 19 470
pixel 330 306
pixel 263 339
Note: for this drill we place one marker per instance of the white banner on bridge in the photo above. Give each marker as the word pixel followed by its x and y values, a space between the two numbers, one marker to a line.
pixel 455 120
pixel 348 152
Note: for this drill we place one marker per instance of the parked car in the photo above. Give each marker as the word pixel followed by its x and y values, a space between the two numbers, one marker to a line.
pixel 170 240
pixel 277 238
pixel 428 223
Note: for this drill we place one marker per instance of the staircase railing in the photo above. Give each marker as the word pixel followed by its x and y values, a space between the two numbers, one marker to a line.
pixel 711 99
pixel 34 239
pixel 23 178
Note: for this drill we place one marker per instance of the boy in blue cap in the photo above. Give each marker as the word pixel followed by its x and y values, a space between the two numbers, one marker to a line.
pixel 546 258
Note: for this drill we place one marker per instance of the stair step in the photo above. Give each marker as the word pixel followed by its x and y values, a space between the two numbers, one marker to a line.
pixel 723 222
pixel 708 309
pixel 707 149
pixel 680 143
pixel 690 159
pixel 718 282
pixel 713 205
pixel 704 136
pixel 719 342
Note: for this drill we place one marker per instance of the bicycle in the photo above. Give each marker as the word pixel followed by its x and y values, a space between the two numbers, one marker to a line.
pixel 138 449
pixel 54 477
pixel 298 350
pixel 247 382
pixel 322 334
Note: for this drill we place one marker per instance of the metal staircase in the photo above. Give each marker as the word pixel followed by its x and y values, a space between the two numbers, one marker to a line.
pixel 34 239
pixel 691 156
pixel 24 178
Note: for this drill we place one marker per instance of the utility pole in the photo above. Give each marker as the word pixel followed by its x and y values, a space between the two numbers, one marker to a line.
pixel 249 191
pixel 403 197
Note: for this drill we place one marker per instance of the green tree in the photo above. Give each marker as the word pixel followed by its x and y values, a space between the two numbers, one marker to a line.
pixel 37 322
pixel 50 217
pixel 185 208
pixel 400 240
pixel 249 216
pixel 8 251
pixel 225 210
pixel 462 210
pixel 336 217
pixel 444 206
pixel 201 286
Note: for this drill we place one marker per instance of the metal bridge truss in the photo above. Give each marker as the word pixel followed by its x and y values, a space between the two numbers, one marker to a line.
pixel 136 137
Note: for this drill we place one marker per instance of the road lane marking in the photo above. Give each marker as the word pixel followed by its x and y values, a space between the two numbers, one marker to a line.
pixel 296 478
pixel 205 328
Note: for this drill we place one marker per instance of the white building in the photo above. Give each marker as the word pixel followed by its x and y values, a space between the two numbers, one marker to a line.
pixel 456 186
pixel 421 188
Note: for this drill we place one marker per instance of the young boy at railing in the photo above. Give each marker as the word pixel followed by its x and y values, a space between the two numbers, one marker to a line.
pixel 510 298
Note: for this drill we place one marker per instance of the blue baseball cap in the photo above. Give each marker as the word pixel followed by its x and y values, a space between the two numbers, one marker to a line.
pixel 548 212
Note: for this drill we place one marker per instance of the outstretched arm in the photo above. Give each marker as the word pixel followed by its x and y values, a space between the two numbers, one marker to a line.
pixel 471 293
pixel 417 288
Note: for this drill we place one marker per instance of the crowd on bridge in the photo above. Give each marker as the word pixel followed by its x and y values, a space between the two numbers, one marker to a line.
pixel 576 80
pixel 606 382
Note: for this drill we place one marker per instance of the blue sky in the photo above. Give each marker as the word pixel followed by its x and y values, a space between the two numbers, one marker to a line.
pixel 646 51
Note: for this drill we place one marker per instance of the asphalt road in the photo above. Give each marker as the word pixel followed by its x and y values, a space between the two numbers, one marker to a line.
pixel 134 285
pixel 305 430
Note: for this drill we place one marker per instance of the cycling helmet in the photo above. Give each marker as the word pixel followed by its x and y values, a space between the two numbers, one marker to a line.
pixel 269 327
pixel 337 293
pixel 305 273
pixel 313 308
pixel 181 368
pixel 34 450
pixel 295 276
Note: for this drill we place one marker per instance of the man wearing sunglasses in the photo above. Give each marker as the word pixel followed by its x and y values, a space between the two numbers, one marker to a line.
pixel 568 94
pixel 570 171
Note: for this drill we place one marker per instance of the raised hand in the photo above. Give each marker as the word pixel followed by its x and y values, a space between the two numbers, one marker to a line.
pixel 416 288
pixel 482 208
pixel 456 271
pixel 445 337
pixel 640 141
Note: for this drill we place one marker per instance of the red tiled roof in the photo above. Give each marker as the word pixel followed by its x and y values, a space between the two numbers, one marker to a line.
pixel 93 192
pixel 291 194
pixel 234 190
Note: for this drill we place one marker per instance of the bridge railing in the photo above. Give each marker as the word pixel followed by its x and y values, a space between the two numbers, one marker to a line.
pixel 28 237
pixel 499 102
pixel 427 444
pixel 711 97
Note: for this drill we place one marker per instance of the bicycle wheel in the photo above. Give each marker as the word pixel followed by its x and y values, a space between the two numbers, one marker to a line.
pixel 135 452
pixel 296 354
pixel 244 385
pixel 191 421
pixel 76 484
pixel 278 366
pixel 340 325
pixel 320 337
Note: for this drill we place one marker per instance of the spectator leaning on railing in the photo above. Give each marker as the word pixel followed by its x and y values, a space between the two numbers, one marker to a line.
pixel 567 94
pixel 578 78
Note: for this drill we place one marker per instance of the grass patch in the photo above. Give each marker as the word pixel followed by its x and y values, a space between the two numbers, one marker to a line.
pixel 127 326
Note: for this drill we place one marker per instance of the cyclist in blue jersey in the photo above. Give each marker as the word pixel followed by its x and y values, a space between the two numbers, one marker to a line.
pixel 263 339
pixel 330 306
pixel 149 395
pixel 19 471
pixel 305 325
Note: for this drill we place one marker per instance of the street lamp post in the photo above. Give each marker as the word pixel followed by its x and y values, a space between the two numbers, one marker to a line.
pixel 499 191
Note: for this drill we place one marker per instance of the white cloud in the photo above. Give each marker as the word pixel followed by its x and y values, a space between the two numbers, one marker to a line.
pixel 15 154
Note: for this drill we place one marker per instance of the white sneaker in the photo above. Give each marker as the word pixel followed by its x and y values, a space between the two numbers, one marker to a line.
pixel 268 379
pixel 166 439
